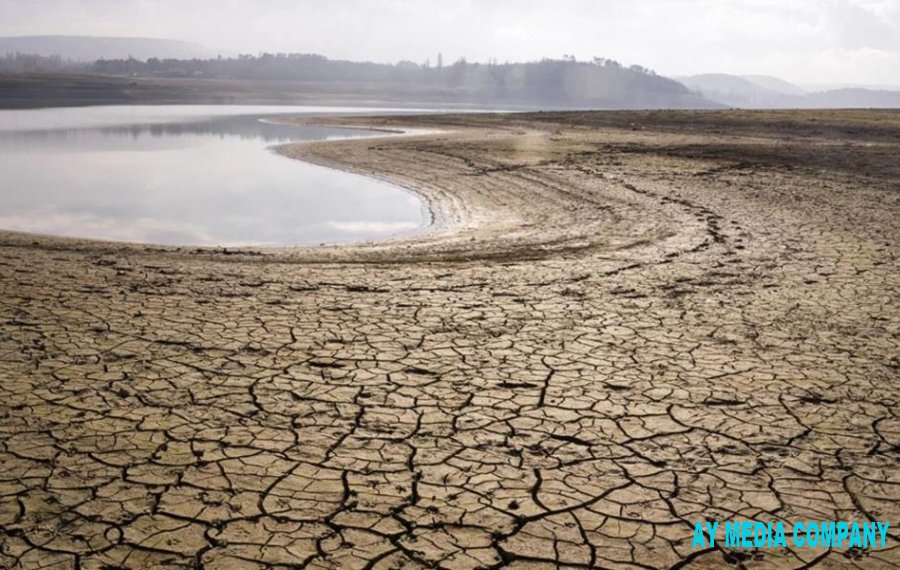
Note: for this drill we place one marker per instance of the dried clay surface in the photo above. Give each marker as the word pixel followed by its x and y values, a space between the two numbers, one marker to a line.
pixel 620 324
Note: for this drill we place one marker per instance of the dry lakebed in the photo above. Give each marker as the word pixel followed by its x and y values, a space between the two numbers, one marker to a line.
pixel 618 324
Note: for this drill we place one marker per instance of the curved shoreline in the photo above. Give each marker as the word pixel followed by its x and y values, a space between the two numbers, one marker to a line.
pixel 481 208
pixel 465 225
pixel 288 150
pixel 474 221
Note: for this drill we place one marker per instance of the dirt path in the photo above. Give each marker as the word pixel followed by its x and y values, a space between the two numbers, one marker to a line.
pixel 621 324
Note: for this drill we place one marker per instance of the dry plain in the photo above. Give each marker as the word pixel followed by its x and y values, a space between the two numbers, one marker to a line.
pixel 620 324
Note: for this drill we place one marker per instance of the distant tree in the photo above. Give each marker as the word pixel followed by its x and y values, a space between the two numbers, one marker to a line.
pixel 23 62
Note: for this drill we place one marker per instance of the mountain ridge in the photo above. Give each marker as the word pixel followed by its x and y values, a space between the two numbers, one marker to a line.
pixel 92 48
pixel 767 92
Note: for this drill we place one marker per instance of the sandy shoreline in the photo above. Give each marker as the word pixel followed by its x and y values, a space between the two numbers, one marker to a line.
pixel 621 324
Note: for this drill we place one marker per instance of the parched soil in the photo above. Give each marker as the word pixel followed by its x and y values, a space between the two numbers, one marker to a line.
pixel 619 325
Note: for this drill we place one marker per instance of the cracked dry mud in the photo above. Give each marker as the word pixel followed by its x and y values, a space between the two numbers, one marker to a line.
pixel 621 324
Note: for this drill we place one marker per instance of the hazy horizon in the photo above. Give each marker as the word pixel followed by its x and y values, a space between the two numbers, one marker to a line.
pixel 831 42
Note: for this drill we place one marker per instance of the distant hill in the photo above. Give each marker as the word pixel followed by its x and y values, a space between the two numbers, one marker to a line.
pixel 765 92
pixel 549 83
pixel 92 48
pixel 745 92
pixel 775 84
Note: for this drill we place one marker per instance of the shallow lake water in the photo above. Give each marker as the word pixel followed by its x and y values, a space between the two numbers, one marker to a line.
pixel 188 175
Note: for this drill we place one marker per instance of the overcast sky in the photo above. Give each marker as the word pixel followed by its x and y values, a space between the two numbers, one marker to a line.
pixel 807 41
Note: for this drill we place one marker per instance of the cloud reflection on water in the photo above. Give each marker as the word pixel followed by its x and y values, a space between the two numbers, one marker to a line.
pixel 187 181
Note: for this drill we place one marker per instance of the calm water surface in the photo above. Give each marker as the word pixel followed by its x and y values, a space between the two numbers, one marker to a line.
pixel 187 175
